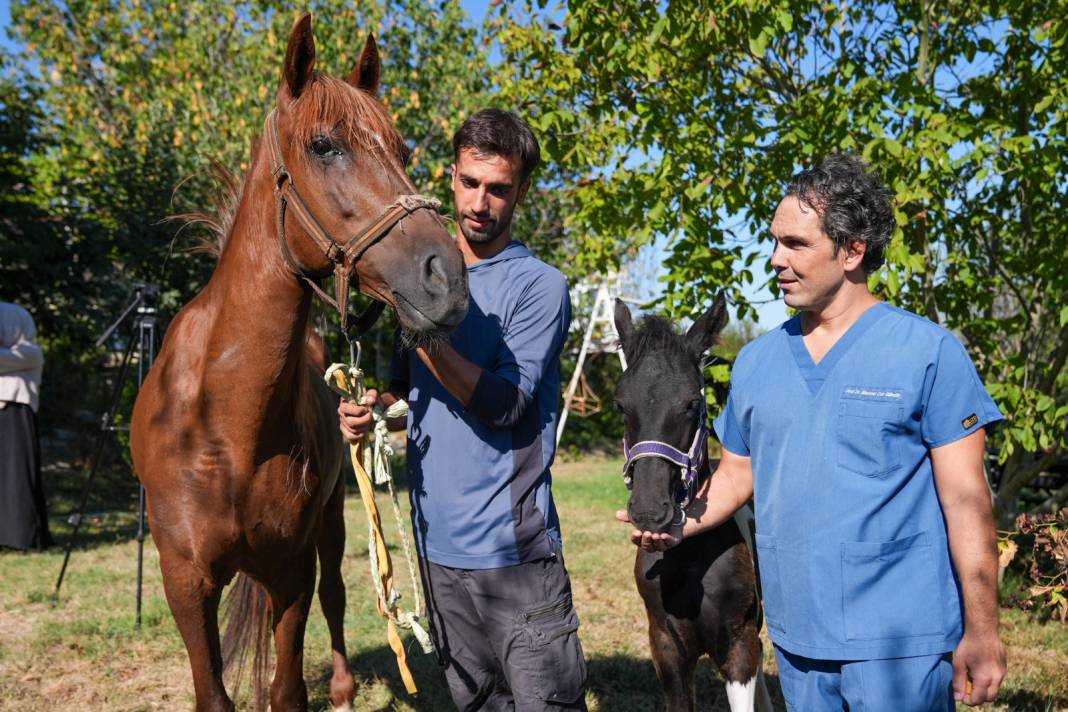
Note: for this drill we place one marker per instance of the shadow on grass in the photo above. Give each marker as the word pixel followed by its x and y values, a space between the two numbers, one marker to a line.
pixel 617 683
pixel 1028 701
pixel 110 511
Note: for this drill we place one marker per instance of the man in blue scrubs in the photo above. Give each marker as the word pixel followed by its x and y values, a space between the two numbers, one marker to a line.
pixel 859 430
pixel 481 438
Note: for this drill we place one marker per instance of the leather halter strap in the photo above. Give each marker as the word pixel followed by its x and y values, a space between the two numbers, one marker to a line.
pixel 344 256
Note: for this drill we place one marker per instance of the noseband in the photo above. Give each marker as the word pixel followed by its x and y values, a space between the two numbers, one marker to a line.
pixel 689 463
pixel 344 256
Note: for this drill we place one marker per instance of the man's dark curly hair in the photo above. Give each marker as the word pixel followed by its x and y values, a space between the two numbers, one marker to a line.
pixel 502 133
pixel 852 203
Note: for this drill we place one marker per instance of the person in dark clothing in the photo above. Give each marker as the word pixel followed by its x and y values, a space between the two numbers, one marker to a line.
pixel 23 517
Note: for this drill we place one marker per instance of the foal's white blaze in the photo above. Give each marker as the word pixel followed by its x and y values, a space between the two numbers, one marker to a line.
pixel 741 696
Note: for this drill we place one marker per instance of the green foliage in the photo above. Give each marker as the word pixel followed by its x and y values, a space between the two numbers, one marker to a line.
pixel 1037 552
pixel 687 119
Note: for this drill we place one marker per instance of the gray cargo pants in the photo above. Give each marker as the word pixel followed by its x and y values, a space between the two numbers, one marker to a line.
pixel 508 637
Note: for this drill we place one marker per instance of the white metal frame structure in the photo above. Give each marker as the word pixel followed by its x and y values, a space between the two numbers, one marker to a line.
pixel 600 336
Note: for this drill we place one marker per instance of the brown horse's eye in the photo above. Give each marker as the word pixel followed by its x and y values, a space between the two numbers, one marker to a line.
pixel 323 147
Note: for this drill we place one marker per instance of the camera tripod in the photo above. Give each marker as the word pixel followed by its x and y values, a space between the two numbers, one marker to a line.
pixel 142 335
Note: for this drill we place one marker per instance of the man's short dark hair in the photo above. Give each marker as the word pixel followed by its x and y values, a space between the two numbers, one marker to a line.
pixel 497 132
pixel 852 202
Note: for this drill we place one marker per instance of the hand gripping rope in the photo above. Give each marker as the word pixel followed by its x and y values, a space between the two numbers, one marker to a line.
pixel 372 454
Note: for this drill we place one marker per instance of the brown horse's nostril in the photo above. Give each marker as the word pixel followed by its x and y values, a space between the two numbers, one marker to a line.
pixel 435 279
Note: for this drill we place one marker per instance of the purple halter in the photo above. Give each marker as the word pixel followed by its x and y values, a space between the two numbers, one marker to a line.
pixel 689 463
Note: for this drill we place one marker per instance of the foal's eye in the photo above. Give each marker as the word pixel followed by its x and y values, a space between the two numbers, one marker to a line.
pixel 323 147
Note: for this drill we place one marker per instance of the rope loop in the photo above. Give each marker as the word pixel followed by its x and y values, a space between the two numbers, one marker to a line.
pixel 371 457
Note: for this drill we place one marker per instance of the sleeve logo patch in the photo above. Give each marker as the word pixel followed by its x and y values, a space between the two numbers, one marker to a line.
pixel 970 421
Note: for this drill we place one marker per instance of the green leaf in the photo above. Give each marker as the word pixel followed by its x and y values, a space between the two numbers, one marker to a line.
pixel 785 19
pixel 758 45
pixel 658 28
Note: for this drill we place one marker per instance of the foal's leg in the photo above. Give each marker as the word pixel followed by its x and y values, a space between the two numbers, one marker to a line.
pixel 193 595
pixel 291 594
pixel 743 669
pixel 674 663
pixel 332 596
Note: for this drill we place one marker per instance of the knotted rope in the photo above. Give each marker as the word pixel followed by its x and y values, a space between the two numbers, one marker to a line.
pixel 372 455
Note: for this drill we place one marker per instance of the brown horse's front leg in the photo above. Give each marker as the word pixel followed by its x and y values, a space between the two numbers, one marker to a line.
pixel 193 596
pixel 332 597
pixel 674 664
pixel 291 594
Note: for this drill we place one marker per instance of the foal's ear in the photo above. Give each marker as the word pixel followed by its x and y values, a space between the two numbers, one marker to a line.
pixel 624 327
pixel 368 69
pixel 300 56
pixel 702 335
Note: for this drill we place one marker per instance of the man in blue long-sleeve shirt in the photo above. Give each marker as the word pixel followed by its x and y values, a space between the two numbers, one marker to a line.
pixel 480 442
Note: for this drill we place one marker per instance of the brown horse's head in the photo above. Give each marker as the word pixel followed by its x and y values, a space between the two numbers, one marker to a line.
pixel 661 396
pixel 342 153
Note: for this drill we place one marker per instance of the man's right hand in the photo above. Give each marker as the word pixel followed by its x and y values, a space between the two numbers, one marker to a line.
pixel 356 418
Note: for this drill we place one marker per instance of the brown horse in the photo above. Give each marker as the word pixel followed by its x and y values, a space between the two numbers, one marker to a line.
pixel 701 596
pixel 234 434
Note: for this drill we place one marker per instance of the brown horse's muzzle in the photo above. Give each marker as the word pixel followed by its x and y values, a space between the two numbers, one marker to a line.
pixel 421 272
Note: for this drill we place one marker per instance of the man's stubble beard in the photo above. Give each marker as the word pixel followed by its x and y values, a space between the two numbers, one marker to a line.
pixel 479 237
pixel 500 227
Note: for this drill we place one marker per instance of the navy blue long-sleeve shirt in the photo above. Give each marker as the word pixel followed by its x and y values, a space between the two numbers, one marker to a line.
pixel 479 475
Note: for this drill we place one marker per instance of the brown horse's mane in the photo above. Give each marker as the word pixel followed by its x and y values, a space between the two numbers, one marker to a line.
pixel 219 221
pixel 326 104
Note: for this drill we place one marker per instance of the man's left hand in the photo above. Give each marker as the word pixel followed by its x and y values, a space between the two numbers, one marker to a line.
pixel 651 541
pixel 978 668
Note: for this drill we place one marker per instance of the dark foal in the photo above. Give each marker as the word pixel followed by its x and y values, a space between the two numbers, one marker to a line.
pixel 700 596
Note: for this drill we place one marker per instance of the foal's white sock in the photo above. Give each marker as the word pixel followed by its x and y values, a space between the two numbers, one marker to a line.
pixel 741 696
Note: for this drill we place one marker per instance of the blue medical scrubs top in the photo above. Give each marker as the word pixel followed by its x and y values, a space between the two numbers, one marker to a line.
pixel 851 539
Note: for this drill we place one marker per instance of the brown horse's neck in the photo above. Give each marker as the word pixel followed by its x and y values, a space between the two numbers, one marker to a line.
pixel 260 307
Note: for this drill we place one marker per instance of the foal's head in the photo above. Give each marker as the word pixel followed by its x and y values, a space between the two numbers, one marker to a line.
pixel 661 396
pixel 347 160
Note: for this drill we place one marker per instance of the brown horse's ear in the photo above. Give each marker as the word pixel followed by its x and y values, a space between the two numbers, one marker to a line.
pixel 702 335
pixel 300 56
pixel 624 327
pixel 368 69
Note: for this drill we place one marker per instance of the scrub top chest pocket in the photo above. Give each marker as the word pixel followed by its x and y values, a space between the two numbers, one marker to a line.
pixel 868 421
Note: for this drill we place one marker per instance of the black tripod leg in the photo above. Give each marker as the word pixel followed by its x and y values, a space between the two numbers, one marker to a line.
pixel 140 547
pixel 101 441
pixel 146 355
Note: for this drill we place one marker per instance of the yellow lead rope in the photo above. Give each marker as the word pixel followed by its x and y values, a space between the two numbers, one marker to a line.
pixel 348 383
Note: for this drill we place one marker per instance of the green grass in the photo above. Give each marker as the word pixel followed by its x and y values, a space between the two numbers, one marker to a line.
pixel 85 652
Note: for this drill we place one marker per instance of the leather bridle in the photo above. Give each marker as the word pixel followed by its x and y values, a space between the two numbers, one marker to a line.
pixel 343 256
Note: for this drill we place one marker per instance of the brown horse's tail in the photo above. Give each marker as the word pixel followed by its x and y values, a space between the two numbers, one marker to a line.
pixel 247 610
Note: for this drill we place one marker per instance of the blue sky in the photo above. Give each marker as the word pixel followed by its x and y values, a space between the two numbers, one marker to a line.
pixel 5 22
